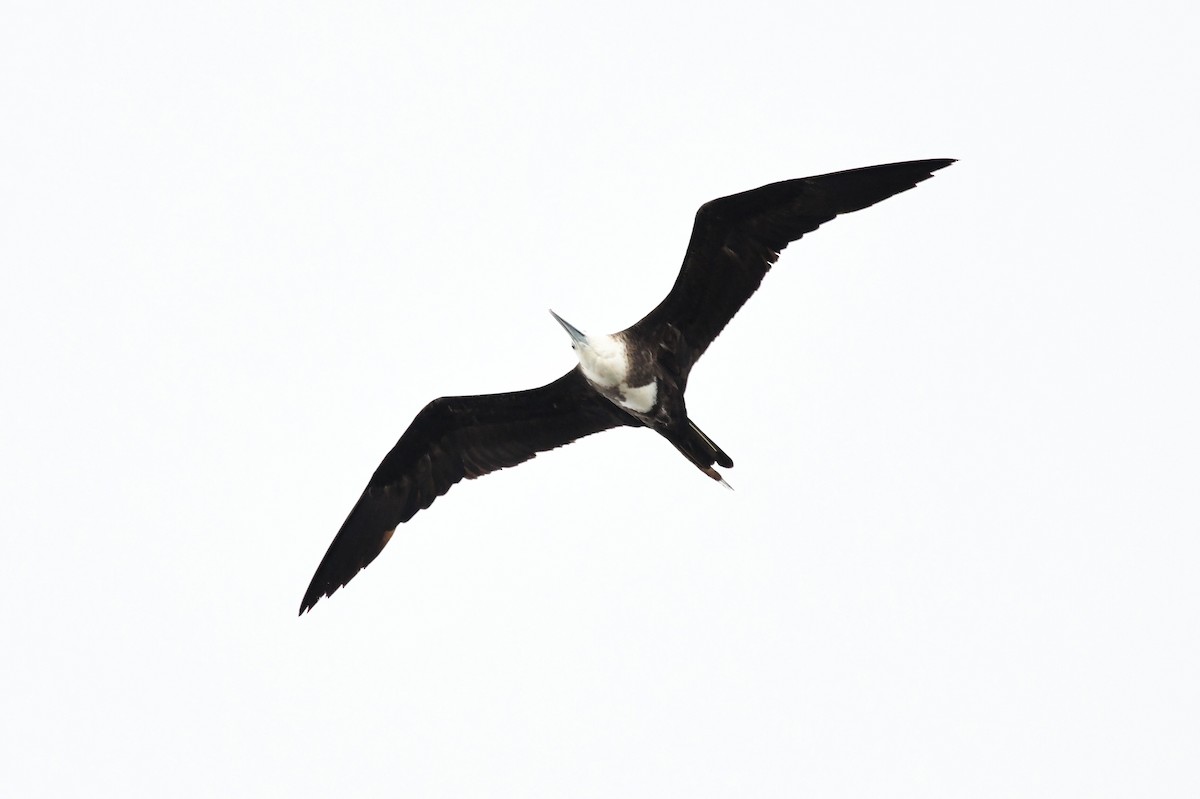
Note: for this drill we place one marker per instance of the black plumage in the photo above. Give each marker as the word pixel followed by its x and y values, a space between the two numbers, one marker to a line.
pixel 735 240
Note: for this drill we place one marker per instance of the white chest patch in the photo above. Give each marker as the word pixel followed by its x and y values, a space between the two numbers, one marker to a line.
pixel 640 399
pixel 603 361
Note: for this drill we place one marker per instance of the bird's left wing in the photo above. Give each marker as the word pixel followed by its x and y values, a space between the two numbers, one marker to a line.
pixel 736 239
pixel 453 438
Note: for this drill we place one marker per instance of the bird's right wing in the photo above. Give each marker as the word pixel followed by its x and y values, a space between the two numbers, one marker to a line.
pixel 736 239
pixel 453 438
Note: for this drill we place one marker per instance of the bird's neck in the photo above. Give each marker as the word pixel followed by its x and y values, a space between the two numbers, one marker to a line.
pixel 604 360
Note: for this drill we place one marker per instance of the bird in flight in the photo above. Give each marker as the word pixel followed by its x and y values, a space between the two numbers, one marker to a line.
pixel 635 378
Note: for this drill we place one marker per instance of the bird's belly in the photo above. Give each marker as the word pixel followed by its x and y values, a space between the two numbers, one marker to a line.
pixel 641 399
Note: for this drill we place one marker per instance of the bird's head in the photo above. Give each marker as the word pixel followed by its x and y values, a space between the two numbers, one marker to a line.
pixel 602 358
pixel 578 339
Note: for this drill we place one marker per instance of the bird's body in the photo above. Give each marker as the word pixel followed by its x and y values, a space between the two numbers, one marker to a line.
pixel 628 369
pixel 620 370
pixel 634 378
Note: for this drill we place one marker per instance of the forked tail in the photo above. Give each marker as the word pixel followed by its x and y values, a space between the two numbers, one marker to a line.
pixel 702 451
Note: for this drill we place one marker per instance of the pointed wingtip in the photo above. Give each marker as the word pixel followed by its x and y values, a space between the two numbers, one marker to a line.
pixel 315 593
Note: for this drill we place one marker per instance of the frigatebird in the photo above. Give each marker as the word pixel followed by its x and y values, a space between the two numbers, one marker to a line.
pixel 635 378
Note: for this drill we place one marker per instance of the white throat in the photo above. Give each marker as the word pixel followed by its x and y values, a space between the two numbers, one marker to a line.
pixel 603 360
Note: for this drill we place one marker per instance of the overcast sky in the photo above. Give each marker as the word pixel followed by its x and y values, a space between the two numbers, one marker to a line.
pixel 244 243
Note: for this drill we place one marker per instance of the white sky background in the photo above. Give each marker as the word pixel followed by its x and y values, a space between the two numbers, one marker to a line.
pixel 241 247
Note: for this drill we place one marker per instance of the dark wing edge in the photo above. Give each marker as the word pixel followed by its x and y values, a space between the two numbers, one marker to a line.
pixel 450 439
pixel 736 239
